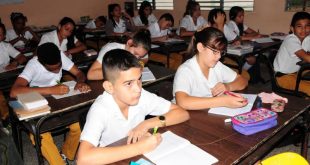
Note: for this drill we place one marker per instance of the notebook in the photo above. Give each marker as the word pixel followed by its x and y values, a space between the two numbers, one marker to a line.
pixel 262 40
pixel 235 111
pixel 72 92
pixel 176 150
pixel 32 101
pixel 147 75
pixel 239 49
pixel 23 114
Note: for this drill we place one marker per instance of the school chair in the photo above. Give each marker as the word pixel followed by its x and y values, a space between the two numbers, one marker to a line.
pixel 286 158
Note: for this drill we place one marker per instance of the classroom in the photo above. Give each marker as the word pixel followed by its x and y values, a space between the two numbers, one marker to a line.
pixel 145 82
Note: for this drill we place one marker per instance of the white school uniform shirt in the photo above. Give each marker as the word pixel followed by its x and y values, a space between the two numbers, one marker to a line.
pixel 188 23
pixel 91 24
pixel 151 18
pixel 233 26
pixel 53 37
pixel 190 79
pixel 7 51
pixel 111 46
pixel 155 30
pixel 11 35
pixel 120 26
pixel 229 33
pixel 105 123
pixel 286 59
pixel 36 74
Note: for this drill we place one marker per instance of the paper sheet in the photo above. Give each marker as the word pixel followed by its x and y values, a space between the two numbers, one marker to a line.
pixel 147 75
pixel 262 40
pixel 153 46
pixel 235 111
pixel 173 40
pixel 72 92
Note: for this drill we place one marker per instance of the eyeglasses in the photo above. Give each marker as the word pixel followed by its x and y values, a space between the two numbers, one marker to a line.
pixel 222 53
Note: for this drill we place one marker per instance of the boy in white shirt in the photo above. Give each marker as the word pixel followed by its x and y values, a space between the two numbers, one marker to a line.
pixel 120 112
pixel 41 74
pixel 160 30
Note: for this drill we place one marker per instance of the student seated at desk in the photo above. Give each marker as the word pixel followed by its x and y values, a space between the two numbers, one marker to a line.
pixel 7 51
pixel 97 23
pixel 145 16
pixel 120 112
pixel 119 23
pixel 192 19
pixel 41 74
pixel 21 34
pixel 201 81
pixel 139 45
pixel 64 37
pixel 160 30
pixel 294 48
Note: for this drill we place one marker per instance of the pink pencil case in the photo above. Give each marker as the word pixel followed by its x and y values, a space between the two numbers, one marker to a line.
pixel 254 121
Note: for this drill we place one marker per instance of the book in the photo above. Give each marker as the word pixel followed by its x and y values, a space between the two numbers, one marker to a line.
pixel 72 92
pixel 23 114
pixel 239 49
pixel 235 111
pixel 90 52
pixel 262 40
pixel 32 101
pixel 147 75
pixel 174 149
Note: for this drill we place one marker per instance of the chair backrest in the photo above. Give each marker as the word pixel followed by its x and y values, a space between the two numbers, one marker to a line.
pixel 82 119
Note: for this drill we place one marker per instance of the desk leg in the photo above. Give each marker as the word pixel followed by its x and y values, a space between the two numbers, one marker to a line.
pixel 37 139
pixel 306 124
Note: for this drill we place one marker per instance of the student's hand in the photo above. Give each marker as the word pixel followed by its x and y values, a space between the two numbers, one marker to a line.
pixel 27 28
pixel 82 87
pixel 11 66
pixel 149 142
pixel 67 53
pixel 219 89
pixel 137 133
pixel 126 15
pixel 233 101
pixel 163 38
pixel 60 89
pixel 236 42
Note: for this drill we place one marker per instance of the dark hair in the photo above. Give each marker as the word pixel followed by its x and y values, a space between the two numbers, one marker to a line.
pixel 102 19
pixel 118 60
pixel 233 12
pixel 143 38
pixel 298 16
pixel 209 36
pixel 70 39
pixel 111 7
pixel 213 14
pixel 143 17
pixel 167 17
pixel 190 7
pixel 48 54
pixel 16 16
pixel 3 28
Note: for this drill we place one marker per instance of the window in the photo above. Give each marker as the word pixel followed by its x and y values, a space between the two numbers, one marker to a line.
pixel 297 5
pixel 247 5
pixel 158 4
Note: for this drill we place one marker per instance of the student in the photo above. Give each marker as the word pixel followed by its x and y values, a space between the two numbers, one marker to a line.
pixel 21 34
pixel 192 19
pixel 236 16
pixel 119 23
pixel 7 51
pixel 139 45
pixel 97 23
pixel 145 16
pixel 120 112
pixel 159 30
pixel 201 81
pixel 41 74
pixel 64 37
pixel 295 48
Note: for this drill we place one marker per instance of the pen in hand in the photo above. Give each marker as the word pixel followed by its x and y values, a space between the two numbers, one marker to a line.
pixel 155 130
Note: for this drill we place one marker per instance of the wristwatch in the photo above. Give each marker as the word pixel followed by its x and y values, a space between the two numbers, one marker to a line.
pixel 162 120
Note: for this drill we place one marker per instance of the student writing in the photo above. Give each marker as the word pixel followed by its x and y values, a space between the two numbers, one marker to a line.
pixel 160 29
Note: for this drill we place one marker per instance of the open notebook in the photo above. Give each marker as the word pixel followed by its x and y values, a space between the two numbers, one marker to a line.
pixel 147 75
pixel 72 92
pixel 235 111
pixel 176 150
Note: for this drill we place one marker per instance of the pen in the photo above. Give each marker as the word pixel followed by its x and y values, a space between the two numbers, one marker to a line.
pixel 155 130
pixel 230 94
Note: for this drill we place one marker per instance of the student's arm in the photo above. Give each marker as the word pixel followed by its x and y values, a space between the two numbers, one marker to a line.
pixel 305 56
pixel 160 39
pixel 95 71
pixel 21 86
pixel 88 154
pixel 79 47
pixel 185 33
pixel 18 38
pixel 80 79
pixel 199 103
pixel 175 115
pixel 35 37
pixel 20 59
pixel 238 84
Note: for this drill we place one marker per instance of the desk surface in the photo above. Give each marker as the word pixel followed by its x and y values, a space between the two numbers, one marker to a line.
pixel 210 133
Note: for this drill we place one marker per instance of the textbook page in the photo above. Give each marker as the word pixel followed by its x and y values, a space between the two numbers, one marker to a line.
pixel 176 150
pixel 72 92
pixel 235 111
pixel 147 75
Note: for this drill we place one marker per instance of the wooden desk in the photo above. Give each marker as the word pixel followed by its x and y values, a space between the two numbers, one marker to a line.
pixel 210 133
pixel 67 110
